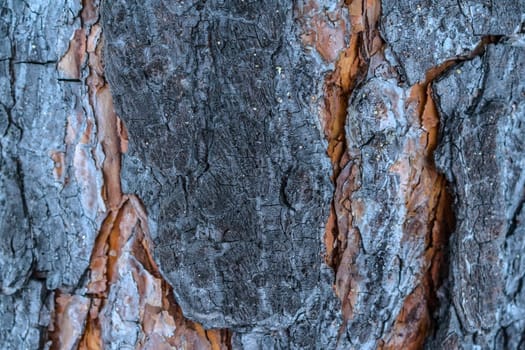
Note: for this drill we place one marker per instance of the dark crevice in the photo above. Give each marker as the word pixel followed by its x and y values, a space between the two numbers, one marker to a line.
pixel 20 180
pixel 514 221
pixel 38 63
pixel 70 80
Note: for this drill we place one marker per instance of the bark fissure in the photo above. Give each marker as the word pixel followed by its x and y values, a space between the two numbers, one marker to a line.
pixel 437 217
pixel 112 243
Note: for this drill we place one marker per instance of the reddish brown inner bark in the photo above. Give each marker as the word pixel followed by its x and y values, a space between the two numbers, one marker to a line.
pixel 123 245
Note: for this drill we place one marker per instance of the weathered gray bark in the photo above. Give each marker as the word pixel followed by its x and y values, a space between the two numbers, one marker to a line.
pixel 49 211
pixel 231 108
pixel 482 106
pixel 226 151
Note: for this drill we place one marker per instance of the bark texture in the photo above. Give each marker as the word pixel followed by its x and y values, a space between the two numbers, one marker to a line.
pixel 229 159
pixel 295 174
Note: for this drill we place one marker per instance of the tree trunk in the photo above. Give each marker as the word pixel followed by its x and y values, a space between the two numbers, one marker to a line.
pixel 262 175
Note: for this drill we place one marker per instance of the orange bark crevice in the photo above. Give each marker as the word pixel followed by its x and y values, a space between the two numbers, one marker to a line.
pixel 342 239
pixel 123 247
pixel 351 67
pixel 428 202
pixel 428 206
pixel 429 218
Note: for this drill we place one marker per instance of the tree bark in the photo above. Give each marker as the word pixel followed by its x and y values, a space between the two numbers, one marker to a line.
pixel 262 175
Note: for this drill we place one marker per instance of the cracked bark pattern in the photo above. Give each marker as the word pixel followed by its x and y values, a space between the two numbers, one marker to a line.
pixel 424 33
pixel 419 106
pixel 226 152
pixel 483 110
pixel 50 198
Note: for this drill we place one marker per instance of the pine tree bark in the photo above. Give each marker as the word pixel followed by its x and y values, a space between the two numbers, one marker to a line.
pixel 262 175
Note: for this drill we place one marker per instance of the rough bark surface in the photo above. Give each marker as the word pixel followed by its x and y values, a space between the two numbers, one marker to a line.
pixel 482 109
pixel 295 174
pixel 227 153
